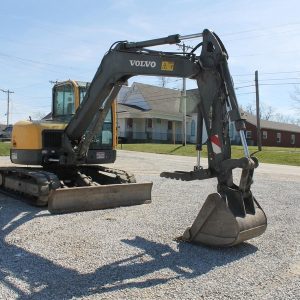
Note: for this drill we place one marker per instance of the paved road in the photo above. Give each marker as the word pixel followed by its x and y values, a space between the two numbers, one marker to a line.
pixel 148 163
pixel 154 164
pixel 130 253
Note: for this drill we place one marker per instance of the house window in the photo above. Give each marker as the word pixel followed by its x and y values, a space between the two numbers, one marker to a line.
pixel 193 128
pixel 278 137
pixel 158 121
pixel 248 134
pixel 293 139
pixel 149 123
pixel 265 135
pixel 129 123
pixel 170 125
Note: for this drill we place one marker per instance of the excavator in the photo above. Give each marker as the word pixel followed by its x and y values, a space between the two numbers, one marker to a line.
pixel 39 143
pixel 71 145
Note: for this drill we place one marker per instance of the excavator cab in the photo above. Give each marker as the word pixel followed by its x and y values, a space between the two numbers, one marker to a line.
pixel 67 97
pixel 43 146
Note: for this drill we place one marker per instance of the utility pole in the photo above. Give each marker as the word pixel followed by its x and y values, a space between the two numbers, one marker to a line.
pixel 184 103
pixel 7 111
pixel 257 113
pixel 183 46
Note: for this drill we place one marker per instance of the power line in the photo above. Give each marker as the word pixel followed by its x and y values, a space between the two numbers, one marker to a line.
pixel 245 93
pixel 259 54
pixel 34 61
pixel 244 86
pixel 266 73
pixel 285 83
pixel 287 78
pixel 261 28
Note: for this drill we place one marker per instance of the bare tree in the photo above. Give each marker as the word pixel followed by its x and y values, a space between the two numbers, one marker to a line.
pixel 266 111
pixel 250 109
pixel 278 117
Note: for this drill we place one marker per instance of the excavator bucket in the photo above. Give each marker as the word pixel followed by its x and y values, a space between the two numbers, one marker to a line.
pixel 227 221
pixel 99 197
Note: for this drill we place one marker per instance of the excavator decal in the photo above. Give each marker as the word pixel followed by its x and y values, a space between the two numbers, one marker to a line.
pixel 167 66
pixel 143 63
pixel 216 144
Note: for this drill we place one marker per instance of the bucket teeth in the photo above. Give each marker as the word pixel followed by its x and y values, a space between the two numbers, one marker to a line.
pixel 220 224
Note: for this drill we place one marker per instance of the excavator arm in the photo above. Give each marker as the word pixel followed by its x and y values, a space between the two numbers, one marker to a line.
pixel 229 216
pixel 118 65
pixel 217 102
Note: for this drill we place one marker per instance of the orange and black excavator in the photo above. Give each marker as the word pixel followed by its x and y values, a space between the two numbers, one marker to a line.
pixel 70 178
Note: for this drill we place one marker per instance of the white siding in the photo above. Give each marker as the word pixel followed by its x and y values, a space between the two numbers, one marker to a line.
pixel 139 129
pixel 121 127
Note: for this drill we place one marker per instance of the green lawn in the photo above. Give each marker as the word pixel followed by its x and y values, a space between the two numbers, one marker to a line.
pixel 273 155
pixel 4 148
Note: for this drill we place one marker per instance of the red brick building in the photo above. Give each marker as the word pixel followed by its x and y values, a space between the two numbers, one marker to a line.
pixel 272 133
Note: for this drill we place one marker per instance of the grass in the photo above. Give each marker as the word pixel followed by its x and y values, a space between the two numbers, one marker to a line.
pixel 272 155
pixel 4 148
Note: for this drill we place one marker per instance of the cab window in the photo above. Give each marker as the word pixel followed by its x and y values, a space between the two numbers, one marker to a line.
pixel 64 100
pixel 104 138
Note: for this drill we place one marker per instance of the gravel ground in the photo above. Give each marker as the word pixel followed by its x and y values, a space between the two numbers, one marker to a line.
pixel 130 253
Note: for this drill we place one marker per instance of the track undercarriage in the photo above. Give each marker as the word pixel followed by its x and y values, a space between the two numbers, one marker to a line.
pixel 75 188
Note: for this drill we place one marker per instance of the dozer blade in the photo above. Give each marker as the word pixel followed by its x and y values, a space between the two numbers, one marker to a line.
pixel 221 223
pixel 99 197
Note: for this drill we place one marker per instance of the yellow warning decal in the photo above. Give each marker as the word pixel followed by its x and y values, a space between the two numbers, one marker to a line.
pixel 167 65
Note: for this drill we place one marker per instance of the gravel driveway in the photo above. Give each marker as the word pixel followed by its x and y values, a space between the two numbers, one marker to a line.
pixel 130 253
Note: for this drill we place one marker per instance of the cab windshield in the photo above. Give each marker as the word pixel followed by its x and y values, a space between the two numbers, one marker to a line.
pixel 104 138
pixel 64 108
pixel 63 100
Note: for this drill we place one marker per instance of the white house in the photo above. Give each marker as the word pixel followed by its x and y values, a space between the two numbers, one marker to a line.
pixel 152 113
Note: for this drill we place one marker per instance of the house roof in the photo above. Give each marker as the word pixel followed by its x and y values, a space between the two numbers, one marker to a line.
pixel 132 111
pixel 158 99
pixel 122 108
pixel 266 124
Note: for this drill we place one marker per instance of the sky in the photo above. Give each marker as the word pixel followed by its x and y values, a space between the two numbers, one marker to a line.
pixel 43 41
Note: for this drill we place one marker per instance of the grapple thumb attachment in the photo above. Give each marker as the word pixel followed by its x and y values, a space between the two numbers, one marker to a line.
pixel 226 220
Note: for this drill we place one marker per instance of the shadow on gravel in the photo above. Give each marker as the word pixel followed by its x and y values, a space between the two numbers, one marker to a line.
pixel 30 276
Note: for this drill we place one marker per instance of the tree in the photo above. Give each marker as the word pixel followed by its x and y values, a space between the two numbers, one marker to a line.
pixel 266 111
pixel 278 117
